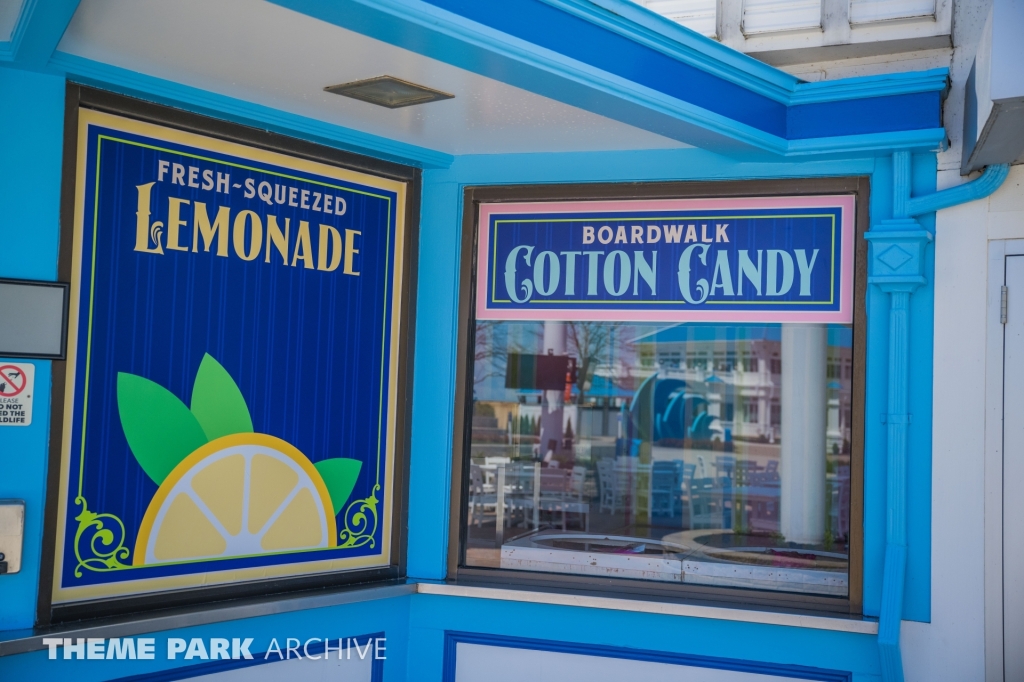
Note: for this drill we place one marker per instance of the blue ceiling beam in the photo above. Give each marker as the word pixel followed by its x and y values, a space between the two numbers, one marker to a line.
pixel 40 26
pixel 564 28
pixel 441 35
pixel 657 32
pixel 613 43
pixel 621 61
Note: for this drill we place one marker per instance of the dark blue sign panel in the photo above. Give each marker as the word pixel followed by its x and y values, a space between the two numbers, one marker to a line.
pixel 780 259
pixel 231 393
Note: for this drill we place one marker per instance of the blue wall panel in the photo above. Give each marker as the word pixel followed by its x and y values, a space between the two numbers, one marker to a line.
pixel 431 615
pixel 31 137
pixel 23 454
pixel 434 377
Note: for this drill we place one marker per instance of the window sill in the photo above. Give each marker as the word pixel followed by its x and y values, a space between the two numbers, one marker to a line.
pixel 23 641
pixel 838 624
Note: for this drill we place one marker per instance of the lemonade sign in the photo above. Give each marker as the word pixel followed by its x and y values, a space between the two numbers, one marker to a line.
pixel 232 388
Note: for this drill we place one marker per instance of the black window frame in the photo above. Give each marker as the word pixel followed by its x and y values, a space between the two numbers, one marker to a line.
pixel 459 573
pixel 78 97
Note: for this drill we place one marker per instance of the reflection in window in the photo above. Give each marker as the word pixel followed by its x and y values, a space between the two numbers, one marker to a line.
pixel 647 452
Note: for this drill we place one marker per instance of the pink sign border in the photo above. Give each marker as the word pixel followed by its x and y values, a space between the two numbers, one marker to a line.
pixel 842 316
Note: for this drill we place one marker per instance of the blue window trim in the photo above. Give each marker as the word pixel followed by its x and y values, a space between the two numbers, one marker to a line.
pixel 188 672
pixel 433 392
pixel 453 638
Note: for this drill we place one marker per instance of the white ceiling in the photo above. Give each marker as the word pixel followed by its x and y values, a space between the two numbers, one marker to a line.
pixel 263 53
pixel 9 11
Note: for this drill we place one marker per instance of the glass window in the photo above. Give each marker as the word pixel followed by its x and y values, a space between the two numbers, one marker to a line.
pixel 662 453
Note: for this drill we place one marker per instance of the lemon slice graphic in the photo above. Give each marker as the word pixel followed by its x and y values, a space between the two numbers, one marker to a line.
pixel 238 495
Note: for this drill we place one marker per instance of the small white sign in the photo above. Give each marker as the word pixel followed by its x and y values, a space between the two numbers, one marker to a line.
pixel 17 385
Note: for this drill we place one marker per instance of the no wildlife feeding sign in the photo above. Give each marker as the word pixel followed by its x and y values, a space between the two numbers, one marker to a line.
pixel 16 389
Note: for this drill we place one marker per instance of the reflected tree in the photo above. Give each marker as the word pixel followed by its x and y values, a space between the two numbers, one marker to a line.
pixel 489 357
pixel 593 344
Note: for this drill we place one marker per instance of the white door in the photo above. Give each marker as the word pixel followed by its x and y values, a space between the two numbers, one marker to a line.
pixel 1013 473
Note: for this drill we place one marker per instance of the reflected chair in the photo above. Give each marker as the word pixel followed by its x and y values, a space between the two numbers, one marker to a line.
pixel 689 471
pixel 725 465
pixel 667 488
pixel 606 485
pixel 632 485
pixel 560 492
pixel 574 502
pixel 762 509
pixel 481 503
pixel 839 507
pixel 707 505
pixel 518 489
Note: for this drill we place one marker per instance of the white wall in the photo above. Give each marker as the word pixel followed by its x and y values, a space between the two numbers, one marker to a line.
pixel 952 646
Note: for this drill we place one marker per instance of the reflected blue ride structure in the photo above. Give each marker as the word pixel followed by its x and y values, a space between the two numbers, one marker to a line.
pixel 664 409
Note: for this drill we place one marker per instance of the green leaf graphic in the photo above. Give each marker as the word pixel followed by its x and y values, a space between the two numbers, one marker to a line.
pixel 160 429
pixel 340 476
pixel 217 403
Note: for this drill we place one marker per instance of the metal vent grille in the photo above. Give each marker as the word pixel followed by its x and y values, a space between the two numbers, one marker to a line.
pixel 388 91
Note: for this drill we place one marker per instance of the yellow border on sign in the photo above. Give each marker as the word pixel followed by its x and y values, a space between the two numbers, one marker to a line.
pixel 494 260
pixel 62 595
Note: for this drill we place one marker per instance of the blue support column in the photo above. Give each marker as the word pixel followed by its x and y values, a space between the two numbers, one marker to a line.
pixel 896 265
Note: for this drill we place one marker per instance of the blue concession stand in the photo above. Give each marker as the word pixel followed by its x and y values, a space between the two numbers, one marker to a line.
pixel 323 268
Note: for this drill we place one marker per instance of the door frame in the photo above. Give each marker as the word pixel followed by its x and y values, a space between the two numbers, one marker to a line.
pixel 994 367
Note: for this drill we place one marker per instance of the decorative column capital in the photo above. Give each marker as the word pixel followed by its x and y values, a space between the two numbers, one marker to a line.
pixel 896 255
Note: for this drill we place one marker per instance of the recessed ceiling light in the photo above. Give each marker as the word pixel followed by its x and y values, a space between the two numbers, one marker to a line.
pixel 388 91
